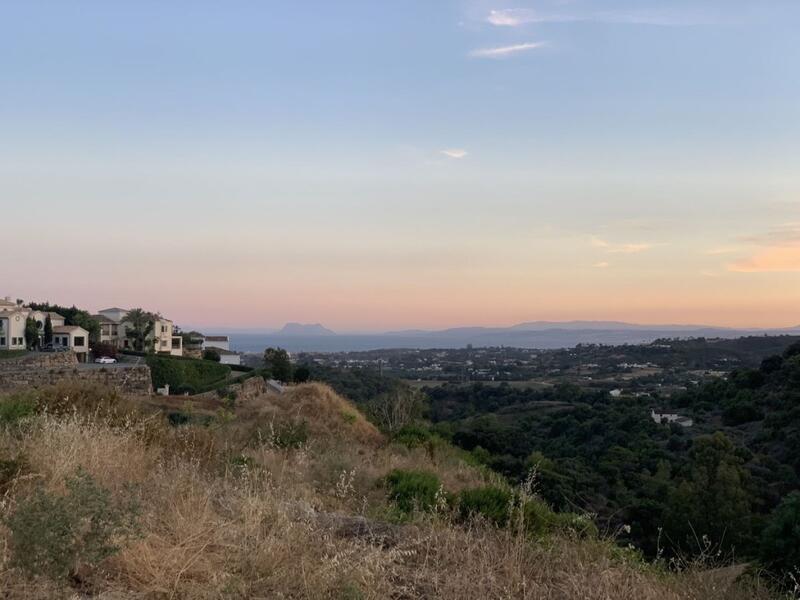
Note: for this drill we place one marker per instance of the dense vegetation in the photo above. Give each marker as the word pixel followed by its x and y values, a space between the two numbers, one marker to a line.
pixel 729 483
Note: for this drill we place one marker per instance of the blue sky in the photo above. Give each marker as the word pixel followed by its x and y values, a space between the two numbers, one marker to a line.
pixel 364 164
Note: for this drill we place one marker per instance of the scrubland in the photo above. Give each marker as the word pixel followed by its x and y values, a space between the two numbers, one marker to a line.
pixel 279 497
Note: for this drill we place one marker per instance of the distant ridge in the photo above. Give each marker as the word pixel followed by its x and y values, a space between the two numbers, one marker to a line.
pixel 304 329
pixel 534 334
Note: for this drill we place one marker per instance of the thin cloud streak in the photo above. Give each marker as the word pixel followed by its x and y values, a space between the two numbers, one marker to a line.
pixel 504 51
pixel 456 153
pixel 516 17
pixel 620 248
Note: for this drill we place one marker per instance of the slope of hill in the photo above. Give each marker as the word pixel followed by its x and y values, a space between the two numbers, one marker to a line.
pixel 296 496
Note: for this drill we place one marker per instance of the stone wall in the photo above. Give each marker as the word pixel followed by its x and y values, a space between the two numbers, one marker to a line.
pixel 39 360
pixel 39 370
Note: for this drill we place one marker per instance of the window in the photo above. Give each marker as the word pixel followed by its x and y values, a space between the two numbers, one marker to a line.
pixel 79 341
pixel 2 341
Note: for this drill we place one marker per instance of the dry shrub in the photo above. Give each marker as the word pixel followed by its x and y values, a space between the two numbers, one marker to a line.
pixel 329 416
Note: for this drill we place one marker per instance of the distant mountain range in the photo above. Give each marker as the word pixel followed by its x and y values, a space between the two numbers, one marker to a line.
pixel 297 337
pixel 302 329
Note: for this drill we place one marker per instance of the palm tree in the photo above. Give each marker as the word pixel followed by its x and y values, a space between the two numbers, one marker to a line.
pixel 139 325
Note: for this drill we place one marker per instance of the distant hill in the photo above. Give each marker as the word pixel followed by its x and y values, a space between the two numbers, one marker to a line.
pixel 304 329
pixel 535 334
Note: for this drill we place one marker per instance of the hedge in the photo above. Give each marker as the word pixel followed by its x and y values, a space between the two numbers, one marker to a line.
pixel 185 375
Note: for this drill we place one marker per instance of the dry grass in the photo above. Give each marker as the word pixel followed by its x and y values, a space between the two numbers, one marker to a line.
pixel 215 526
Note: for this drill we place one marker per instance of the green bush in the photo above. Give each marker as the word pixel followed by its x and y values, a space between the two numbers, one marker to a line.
pixel 492 502
pixel 186 374
pixel 501 507
pixel 412 436
pixel 413 490
pixel 17 406
pixel 290 434
pixel 541 520
pixel 54 534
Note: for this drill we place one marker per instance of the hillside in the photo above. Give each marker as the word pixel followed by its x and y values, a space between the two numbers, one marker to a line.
pixel 291 496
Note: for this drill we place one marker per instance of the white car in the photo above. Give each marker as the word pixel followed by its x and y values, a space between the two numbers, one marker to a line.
pixel 105 360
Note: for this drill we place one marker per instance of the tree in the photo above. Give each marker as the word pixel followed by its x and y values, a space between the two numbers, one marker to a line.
pixel 277 361
pixel 302 374
pixel 396 408
pixel 48 330
pixel 139 325
pixel 211 354
pixel 713 501
pixel 780 540
pixel 104 349
pixel 31 333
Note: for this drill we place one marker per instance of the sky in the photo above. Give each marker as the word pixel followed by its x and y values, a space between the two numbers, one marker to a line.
pixel 382 165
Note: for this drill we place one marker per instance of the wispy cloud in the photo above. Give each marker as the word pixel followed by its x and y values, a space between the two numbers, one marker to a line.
pixel 720 251
pixel 511 17
pixel 627 248
pixel 601 265
pixel 779 253
pixel 515 17
pixel 774 260
pixel 454 152
pixel 785 233
pixel 504 51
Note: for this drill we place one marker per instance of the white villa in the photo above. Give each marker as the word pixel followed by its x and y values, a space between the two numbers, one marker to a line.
pixel 220 342
pixel 670 418
pixel 14 316
pixel 164 337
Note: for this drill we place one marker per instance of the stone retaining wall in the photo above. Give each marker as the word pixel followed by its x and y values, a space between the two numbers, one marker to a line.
pixel 39 370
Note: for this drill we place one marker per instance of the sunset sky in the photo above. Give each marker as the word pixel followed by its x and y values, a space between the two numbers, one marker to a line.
pixel 383 164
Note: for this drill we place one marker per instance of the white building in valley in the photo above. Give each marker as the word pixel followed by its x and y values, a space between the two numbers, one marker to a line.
pixel 667 418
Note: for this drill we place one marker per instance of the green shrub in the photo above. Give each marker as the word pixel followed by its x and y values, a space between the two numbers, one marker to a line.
pixel 349 417
pixel 17 406
pixel 541 520
pixel 412 436
pixel 492 502
pixel 290 434
pixel 501 507
pixel 413 490
pixel 54 534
